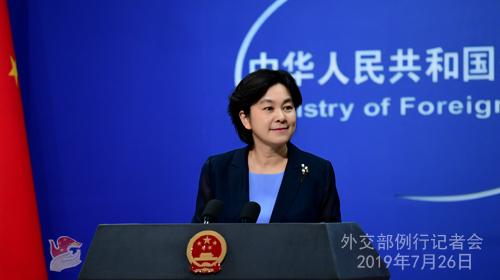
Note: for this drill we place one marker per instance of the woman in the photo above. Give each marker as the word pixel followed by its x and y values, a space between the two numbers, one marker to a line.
pixel 290 185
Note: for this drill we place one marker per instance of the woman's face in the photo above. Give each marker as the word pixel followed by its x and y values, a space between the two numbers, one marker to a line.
pixel 272 119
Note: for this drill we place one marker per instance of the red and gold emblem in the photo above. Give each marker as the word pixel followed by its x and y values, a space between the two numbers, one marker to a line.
pixel 205 251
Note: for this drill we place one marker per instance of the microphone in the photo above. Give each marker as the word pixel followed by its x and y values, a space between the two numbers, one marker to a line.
pixel 212 211
pixel 250 212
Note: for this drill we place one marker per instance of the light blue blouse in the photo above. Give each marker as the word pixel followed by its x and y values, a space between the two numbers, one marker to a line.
pixel 264 190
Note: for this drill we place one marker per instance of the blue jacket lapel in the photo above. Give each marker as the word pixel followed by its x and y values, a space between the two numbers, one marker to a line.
pixel 289 186
pixel 238 179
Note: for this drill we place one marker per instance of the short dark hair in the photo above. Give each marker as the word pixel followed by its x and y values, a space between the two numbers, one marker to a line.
pixel 251 89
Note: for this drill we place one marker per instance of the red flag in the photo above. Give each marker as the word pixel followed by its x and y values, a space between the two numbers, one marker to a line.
pixel 21 249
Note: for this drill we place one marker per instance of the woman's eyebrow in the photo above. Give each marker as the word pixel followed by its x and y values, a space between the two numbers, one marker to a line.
pixel 273 102
pixel 266 101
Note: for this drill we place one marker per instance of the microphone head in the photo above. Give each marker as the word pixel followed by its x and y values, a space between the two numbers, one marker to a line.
pixel 212 211
pixel 250 212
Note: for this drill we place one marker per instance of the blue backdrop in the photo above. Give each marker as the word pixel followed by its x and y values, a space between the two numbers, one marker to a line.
pixel 125 100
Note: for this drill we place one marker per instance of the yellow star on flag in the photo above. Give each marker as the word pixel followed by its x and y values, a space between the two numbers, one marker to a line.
pixel 13 72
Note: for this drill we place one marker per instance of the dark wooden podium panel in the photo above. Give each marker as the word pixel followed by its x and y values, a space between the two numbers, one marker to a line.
pixel 254 251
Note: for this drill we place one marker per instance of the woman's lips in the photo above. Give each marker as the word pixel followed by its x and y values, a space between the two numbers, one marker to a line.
pixel 279 129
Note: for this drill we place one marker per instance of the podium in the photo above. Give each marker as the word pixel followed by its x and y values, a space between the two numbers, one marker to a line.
pixel 254 251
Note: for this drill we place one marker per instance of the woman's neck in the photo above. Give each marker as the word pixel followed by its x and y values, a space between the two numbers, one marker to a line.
pixel 266 160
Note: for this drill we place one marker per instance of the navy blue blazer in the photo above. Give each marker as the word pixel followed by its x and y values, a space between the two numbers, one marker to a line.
pixel 315 199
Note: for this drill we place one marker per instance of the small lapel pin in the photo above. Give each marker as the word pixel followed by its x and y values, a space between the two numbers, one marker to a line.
pixel 305 170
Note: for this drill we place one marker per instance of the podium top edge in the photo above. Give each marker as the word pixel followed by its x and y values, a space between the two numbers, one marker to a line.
pixel 226 224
